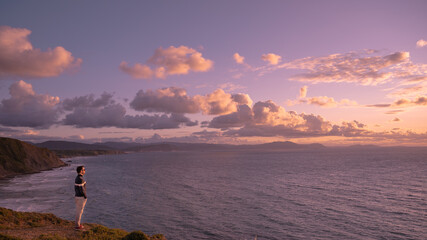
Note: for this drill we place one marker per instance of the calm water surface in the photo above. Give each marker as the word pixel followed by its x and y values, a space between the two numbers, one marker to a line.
pixel 331 194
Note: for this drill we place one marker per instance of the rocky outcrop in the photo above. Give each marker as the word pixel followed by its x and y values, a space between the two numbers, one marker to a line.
pixel 17 157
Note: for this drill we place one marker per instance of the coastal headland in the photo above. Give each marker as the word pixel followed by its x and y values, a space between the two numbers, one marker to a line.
pixel 17 157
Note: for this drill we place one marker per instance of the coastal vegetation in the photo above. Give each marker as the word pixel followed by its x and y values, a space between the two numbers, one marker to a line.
pixel 46 226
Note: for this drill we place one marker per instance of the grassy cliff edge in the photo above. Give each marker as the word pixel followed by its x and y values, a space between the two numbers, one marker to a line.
pixel 46 226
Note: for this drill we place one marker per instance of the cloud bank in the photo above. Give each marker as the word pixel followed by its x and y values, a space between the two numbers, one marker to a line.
pixel 176 100
pixel 351 67
pixel 267 119
pixel 25 108
pixel 170 61
pixel 166 106
pixel 235 115
pixel 86 111
pixel 18 58
pixel 169 100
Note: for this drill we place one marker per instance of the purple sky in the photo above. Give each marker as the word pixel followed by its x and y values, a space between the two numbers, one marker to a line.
pixel 334 72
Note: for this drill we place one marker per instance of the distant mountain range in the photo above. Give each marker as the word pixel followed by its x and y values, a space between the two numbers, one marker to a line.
pixel 70 149
pixel 173 146
pixel 64 145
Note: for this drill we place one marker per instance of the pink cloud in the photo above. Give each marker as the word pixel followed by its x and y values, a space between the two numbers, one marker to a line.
pixel 409 91
pixel 403 102
pixel 230 86
pixel 322 101
pixel 271 58
pixel 421 43
pixel 261 115
pixel 242 116
pixel 266 119
pixel 220 102
pixel 176 100
pixel 420 101
pixel 353 68
pixel 239 59
pixel 303 92
pixel 170 61
pixel 394 111
pixel 18 58
pixel 169 100
pixel 137 71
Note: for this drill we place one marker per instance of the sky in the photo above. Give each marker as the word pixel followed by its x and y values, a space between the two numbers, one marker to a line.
pixel 234 72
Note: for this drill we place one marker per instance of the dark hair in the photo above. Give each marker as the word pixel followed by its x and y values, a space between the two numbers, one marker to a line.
pixel 79 168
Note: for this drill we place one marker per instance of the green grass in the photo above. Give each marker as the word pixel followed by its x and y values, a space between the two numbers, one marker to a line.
pixel 12 220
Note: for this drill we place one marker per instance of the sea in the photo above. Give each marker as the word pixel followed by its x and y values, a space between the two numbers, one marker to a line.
pixel 335 193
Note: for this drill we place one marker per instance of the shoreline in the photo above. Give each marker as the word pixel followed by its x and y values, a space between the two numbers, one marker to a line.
pixel 28 173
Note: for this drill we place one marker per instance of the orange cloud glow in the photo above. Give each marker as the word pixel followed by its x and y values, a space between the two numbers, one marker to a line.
pixel 325 101
pixel 303 92
pixel 239 59
pixel 18 58
pixel 421 43
pixel 170 61
pixel 272 58
pixel 350 67
pixel 322 101
pixel 137 71
pixel 220 102
pixel 176 100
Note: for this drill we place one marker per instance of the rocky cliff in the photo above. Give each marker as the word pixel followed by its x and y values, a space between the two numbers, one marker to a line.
pixel 17 157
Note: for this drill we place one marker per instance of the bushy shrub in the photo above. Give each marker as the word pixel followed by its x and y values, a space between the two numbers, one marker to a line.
pixel 136 235
pixel 10 219
pixel 50 237
pixel 103 233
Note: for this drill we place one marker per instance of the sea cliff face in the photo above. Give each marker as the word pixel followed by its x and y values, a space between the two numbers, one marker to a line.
pixel 17 157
